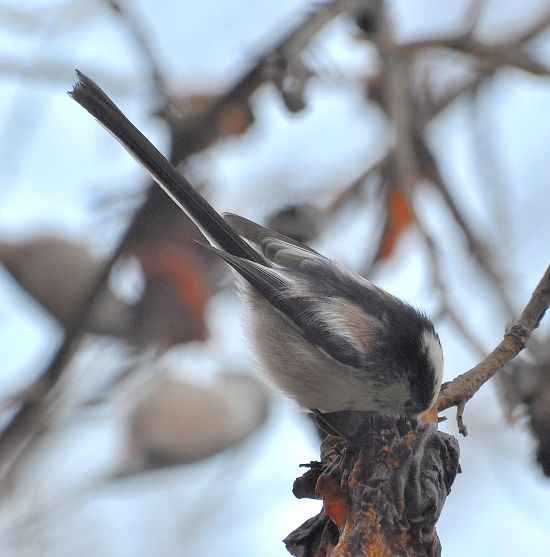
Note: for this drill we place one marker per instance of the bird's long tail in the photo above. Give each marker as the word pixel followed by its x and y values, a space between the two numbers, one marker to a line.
pixel 91 97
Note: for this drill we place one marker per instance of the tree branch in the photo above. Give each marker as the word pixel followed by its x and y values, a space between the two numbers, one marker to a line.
pixel 503 54
pixel 462 388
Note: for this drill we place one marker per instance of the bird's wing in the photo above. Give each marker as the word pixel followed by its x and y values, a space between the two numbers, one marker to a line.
pixel 297 310
pixel 276 247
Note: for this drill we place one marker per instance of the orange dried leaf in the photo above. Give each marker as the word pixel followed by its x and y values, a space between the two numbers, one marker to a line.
pixel 234 119
pixel 188 280
pixel 400 217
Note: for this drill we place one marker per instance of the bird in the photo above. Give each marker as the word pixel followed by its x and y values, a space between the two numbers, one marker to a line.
pixel 326 336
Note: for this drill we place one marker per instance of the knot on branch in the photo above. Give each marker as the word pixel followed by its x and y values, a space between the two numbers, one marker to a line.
pixel 382 495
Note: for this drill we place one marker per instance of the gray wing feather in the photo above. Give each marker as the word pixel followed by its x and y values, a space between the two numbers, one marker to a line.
pixel 295 309
pixel 276 247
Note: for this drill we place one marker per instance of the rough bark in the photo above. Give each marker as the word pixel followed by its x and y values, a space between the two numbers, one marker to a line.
pixel 382 493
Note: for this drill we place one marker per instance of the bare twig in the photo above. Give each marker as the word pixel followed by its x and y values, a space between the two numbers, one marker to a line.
pixel 52 72
pixel 29 415
pixel 476 246
pixel 398 103
pixel 540 25
pixel 462 429
pixel 141 40
pixel 67 13
pixel 473 15
pixel 503 54
pixel 352 190
pixel 446 304
pixel 493 176
pixel 200 131
pixel 468 87
pixel 411 154
pixel 463 387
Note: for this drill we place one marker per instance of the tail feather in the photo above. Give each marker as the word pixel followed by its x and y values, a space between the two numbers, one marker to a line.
pixel 91 97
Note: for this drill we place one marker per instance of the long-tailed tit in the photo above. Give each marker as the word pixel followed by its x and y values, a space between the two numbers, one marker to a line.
pixel 326 336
